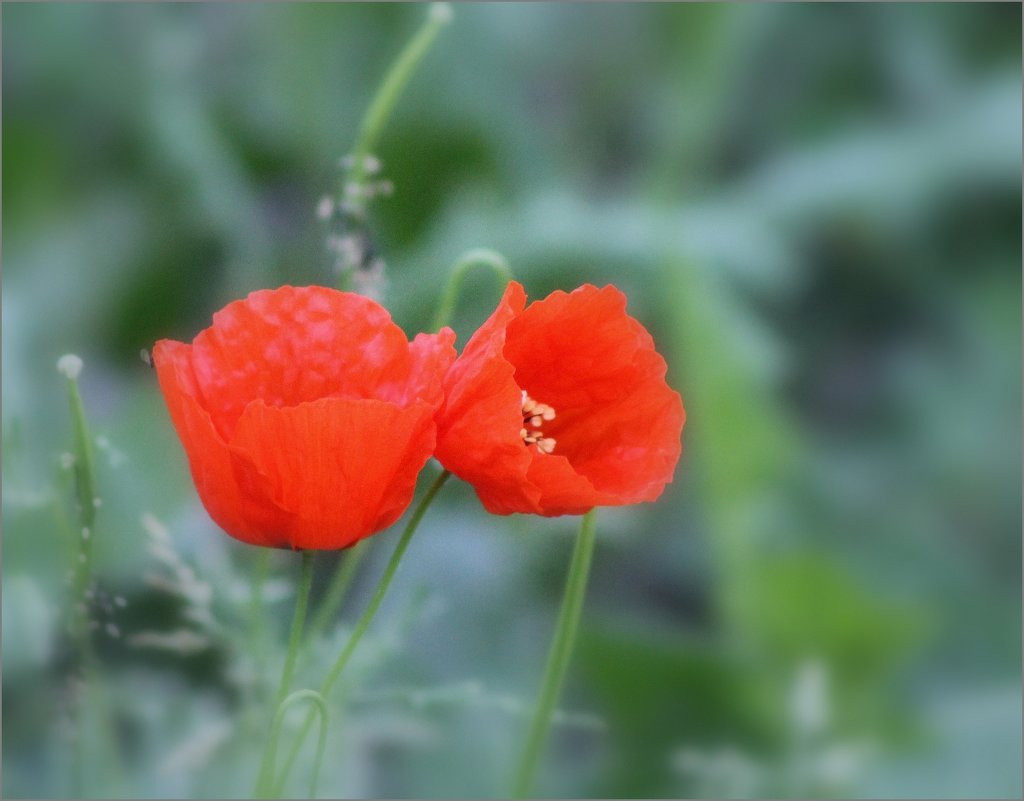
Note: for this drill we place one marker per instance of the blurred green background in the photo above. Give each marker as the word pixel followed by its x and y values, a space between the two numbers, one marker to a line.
pixel 816 210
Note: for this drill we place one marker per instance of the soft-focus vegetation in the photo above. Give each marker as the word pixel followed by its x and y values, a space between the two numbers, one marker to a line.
pixel 815 209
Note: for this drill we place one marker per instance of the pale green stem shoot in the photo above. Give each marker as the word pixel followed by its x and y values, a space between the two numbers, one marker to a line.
pixel 480 257
pixel 559 655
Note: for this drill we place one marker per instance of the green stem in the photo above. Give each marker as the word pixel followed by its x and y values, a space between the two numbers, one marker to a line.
pixel 319 707
pixel 559 656
pixel 391 88
pixel 472 258
pixel 257 619
pixel 84 470
pixel 342 580
pixel 301 601
pixel 367 617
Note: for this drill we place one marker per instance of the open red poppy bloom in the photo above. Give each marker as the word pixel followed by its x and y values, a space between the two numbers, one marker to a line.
pixel 560 407
pixel 306 415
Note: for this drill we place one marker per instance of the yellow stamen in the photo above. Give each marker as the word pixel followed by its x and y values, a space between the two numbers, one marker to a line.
pixel 534 415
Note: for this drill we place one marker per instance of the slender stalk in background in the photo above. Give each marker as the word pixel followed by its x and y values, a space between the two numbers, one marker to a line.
pixel 480 257
pixel 87 502
pixel 384 101
pixel 352 245
pixel 364 621
pixel 559 656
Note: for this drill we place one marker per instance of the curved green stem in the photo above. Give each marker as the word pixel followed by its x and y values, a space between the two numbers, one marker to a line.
pixel 481 257
pixel 391 88
pixel 559 656
pixel 301 601
pixel 320 707
pixel 367 617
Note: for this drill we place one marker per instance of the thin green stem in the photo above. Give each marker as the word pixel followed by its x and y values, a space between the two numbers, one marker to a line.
pixel 336 592
pixel 320 708
pixel 391 88
pixel 480 257
pixel 559 655
pixel 257 618
pixel 84 471
pixel 294 639
pixel 301 602
pixel 367 617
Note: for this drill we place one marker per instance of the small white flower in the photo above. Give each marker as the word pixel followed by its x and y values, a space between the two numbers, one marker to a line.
pixel 70 366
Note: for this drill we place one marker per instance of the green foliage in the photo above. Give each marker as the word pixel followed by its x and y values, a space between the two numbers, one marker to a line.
pixel 814 209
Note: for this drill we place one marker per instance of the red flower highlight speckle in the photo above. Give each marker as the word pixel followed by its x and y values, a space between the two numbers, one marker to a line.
pixel 560 407
pixel 306 415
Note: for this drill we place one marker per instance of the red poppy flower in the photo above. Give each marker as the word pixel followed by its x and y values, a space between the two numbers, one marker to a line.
pixel 306 415
pixel 560 407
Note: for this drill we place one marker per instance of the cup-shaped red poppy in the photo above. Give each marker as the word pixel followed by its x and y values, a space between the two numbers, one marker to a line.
pixel 561 406
pixel 306 415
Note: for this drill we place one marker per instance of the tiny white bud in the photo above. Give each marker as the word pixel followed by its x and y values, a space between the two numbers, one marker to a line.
pixel 97 503
pixel 113 630
pixel 325 207
pixel 85 533
pixel 70 366
pixel 120 601
pixel 67 460
pixel 441 12
pixel 371 165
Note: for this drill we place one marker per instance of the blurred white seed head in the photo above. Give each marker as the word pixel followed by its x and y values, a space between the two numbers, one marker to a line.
pixel 441 12
pixel 371 165
pixel 809 698
pixel 70 366
pixel 325 208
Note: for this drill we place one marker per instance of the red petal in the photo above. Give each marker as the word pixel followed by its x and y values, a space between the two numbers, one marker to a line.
pixel 618 422
pixel 295 344
pixel 343 469
pixel 245 517
pixel 478 425
pixel 431 356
